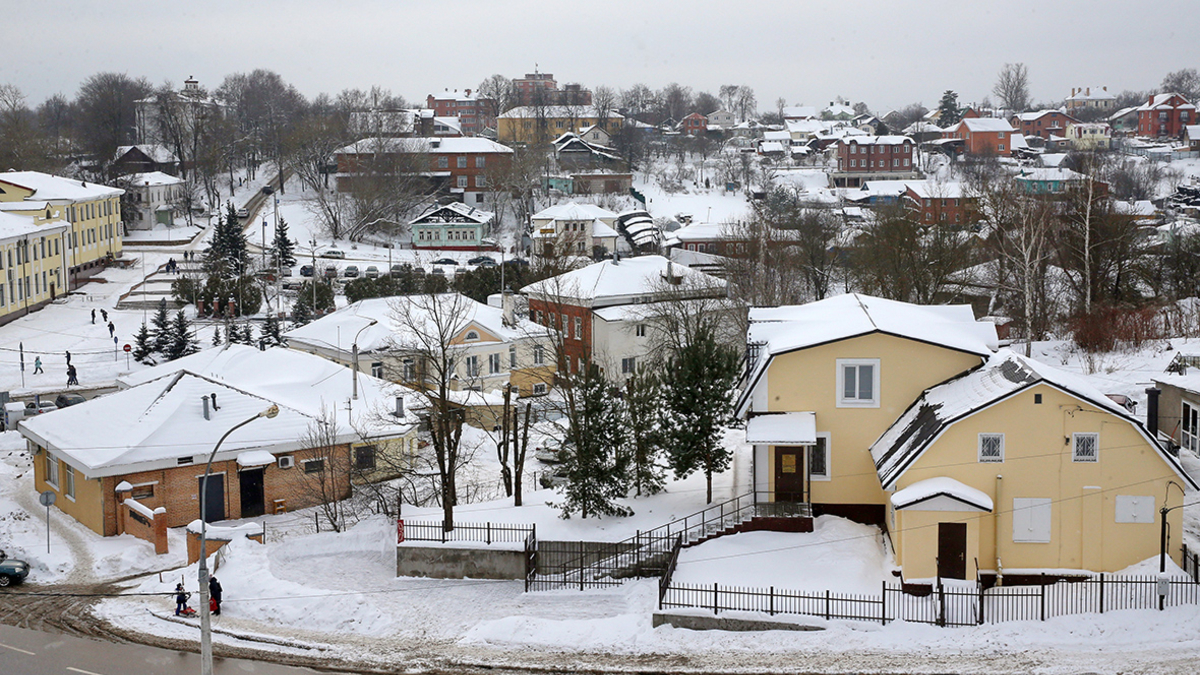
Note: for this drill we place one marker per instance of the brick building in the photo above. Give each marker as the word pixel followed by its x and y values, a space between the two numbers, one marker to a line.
pixel 456 165
pixel 1165 116
pixel 148 444
pixel 861 158
pixel 983 135
pixel 694 124
pixel 542 89
pixel 474 112
pixel 1043 123
pixel 945 203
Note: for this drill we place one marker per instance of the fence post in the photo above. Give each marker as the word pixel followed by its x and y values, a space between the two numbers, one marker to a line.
pixel 883 604
pixel 317 520
pixel 772 605
pixel 489 533
pixel 1043 596
pixel 828 602
pixel 941 590
pixel 716 598
pixel 1102 592
pixel 580 559
pixel 979 585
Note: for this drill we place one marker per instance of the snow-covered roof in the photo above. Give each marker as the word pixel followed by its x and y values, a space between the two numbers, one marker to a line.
pixel 159 154
pixel 922 127
pixel 983 124
pixel 1085 94
pixel 399 320
pixel 877 140
pixel 1048 174
pixel 839 109
pixel 1122 113
pixel 574 211
pixel 806 126
pixel 1192 131
pixel 1052 159
pixel 789 328
pixel 152 179
pixel 941 493
pixel 781 136
pixel 20 225
pixel 449 145
pixel 926 189
pixel 789 428
pixel 1038 114
pixel 799 112
pixel 458 208
pixel 1003 375
pixel 581 112
pixel 767 147
pixel 1163 102
pixel 621 281
pixel 47 187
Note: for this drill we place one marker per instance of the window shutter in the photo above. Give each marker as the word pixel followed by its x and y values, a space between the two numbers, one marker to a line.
pixel 1031 520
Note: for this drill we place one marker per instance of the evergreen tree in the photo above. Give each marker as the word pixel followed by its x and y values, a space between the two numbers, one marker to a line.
pixel 283 250
pixel 324 297
pixel 595 465
pixel 698 402
pixel 248 333
pixel 183 339
pixel 160 335
pixel 271 331
pixel 216 336
pixel 301 314
pixel 643 411
pixel 143 346
pixel 948 111
pixel 227 255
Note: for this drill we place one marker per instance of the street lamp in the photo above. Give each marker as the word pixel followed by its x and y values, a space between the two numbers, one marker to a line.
pixel 354 356
pixel 1162 540
pixel 206 664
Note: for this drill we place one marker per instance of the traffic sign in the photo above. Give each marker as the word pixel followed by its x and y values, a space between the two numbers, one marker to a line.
pixel 127 348
pixel 47 498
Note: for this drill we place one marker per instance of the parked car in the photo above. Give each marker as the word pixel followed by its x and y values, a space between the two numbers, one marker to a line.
pixel 351 271
pixel 517 262
pixel 548 451
pixel 12 571
pixel 439 271
pixel 39 407
pixel 372 272
pixel 399 269
pixel 331 271
pixel 285 271
pixel 483 260
pixel 243 212
pixel 334 253
pixel 306 270
pixel 68 400
pixel 445 261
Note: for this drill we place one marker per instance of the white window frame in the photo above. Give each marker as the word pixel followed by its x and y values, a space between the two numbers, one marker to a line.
pixel 842 401
pixel 69 483
pixel 1189 433
pixel 828 475
pixel 495 365
pixel 1075 438
pixel 539 388
pixel 991 460
pixel 539 355
pixel 472 365
pixel 629 365
pixel 51 471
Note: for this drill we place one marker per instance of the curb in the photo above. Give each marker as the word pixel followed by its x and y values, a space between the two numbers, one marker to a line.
pixel 238 636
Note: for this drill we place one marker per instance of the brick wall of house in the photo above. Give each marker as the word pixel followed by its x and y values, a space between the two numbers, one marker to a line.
pixel 1050 123
pixel 551 314
pixel 868 158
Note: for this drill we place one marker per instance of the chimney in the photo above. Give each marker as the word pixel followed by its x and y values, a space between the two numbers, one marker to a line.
pixel 1072 92
pixel 508 307
pixel 1088 92
pixel 214 401
pixel 399 407
pixel 1152 411
pixel 205 399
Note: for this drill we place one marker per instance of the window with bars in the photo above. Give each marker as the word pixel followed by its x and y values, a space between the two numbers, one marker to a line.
pixel 1085 447
pixel 991 447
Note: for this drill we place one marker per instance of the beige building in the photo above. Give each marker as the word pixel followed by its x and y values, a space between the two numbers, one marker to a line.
pixel 93 211
pixel 542 124
pixel 32 265
pixel 976 463
pixel 1089 135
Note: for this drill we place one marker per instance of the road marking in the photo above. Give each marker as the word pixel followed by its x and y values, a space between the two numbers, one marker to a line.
pixel 15 649
pixel 85 672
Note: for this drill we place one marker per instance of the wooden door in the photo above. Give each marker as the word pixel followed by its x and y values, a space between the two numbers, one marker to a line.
pixel 789 473
pixel 214 498
pixel 251 481
pixel 952 550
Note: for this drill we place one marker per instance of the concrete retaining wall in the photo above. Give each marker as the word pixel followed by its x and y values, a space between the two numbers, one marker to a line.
pixel 446 562
pixel 698 622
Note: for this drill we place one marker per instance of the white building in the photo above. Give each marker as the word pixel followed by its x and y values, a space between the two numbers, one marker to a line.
pixel 152 200
pixel 573 229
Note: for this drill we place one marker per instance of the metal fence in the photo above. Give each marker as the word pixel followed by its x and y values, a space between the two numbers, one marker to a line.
pixel 488 533
pixel 1191 563
pixel 946 603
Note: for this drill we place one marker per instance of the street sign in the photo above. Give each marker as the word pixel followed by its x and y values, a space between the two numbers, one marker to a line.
pixel 127 348
pixel 47 498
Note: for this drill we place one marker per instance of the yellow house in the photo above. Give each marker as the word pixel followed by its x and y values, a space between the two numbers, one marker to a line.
pixel 840 412
pixel 542 124
pixel 93 211
pixel 32 265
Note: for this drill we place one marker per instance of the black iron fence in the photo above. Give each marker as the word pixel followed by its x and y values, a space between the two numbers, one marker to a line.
pixel 488 533
pixel 1191 563
pixel 947 603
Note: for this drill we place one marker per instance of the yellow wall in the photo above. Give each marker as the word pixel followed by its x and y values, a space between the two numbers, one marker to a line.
pixel 88 505
pixel 98 219
pixel 1038 463
pixel 525 130
pixel 807 380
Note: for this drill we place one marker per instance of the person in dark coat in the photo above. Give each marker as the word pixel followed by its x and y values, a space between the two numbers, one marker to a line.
pixel 68 358
pixel 214 592
pixel 104 314
pixel 93 316
pixel 72 376
pixel 181 598
pixel 111 329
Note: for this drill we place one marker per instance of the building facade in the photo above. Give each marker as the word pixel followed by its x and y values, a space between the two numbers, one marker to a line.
pixel 474 112
pixel 1165 116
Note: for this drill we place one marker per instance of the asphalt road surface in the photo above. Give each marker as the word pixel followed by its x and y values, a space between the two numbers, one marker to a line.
pixel 30 652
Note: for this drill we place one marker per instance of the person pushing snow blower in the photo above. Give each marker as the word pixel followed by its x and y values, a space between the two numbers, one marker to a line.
pixel 181 599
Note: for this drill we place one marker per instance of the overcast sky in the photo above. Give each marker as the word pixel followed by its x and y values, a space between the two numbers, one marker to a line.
pixel 887 54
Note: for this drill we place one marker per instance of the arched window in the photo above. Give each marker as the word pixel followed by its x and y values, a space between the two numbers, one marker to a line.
pixel 472 336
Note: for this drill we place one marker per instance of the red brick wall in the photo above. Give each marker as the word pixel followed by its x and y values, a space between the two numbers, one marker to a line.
pixel 1045 125
pixel 1168 123
pixel 573 349
pixel 873 158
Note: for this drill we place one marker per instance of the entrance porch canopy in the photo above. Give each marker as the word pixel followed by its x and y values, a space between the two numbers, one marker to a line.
pixel 790 428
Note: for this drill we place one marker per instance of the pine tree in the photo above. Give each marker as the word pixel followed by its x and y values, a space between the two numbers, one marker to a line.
pixel 301 314
pixel 948 111
pixel 698 402
pixel 216 336
pixel 248 333
pixel 226 254
pixel 183 339
pixel 143 346
pixel 283 250
pixel 160 335
pixel 271 331
pixel 595 466
pixel 643 412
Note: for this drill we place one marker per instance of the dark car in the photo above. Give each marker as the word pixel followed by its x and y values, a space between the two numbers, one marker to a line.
pixel 399 270
pixel 517 262
pixel 351 271
pixel 445 261
pixel 483 260
pixel 68 400
pixel 12 571
pixel 306 270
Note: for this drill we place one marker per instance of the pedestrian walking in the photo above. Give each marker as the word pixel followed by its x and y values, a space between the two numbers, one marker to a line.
pixel 104 314
pixel 111 329
pixel 68 358
pixel 181 598
pixel 93 317
pixel 72 376
pixel 37 366
pixel 214 592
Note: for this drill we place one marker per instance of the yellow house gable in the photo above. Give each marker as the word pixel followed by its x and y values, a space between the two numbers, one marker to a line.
pixel 474 333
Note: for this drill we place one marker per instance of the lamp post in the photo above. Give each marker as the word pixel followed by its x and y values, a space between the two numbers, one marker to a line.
pixel 1162 540
pixel 354 355
pixel 206 664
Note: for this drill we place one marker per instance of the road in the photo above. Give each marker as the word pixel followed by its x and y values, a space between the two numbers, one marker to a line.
pixel 31 652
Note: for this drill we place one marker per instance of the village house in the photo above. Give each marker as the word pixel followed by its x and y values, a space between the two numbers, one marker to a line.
pixel 1174 409
pixel 983 136
pixel 721 120
pixel 537 89
pixel 978 463
pixel 861 158
pixel 1042 123
pixel 33 267
pixel 1124 121
pixel 124 461
pixel 574 229
pixel 1191 136
pixel 941 202
pixel 93 211
pixel 1088 136
pixel 144 158
pixel 1165 116
pixel 150 199
pixel 457 166
pixel 593 308
pixel 1093 98
pixel 391 337
pixel 541 124
pixel 694 124
pixel 453 226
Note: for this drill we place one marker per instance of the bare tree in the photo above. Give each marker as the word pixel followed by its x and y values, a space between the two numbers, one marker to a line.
pixel 1185 82
pixel 325 476
pixel 747 104
pixel 901 258
pixel 500 89
pixel 1012 87
pixel 106 113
